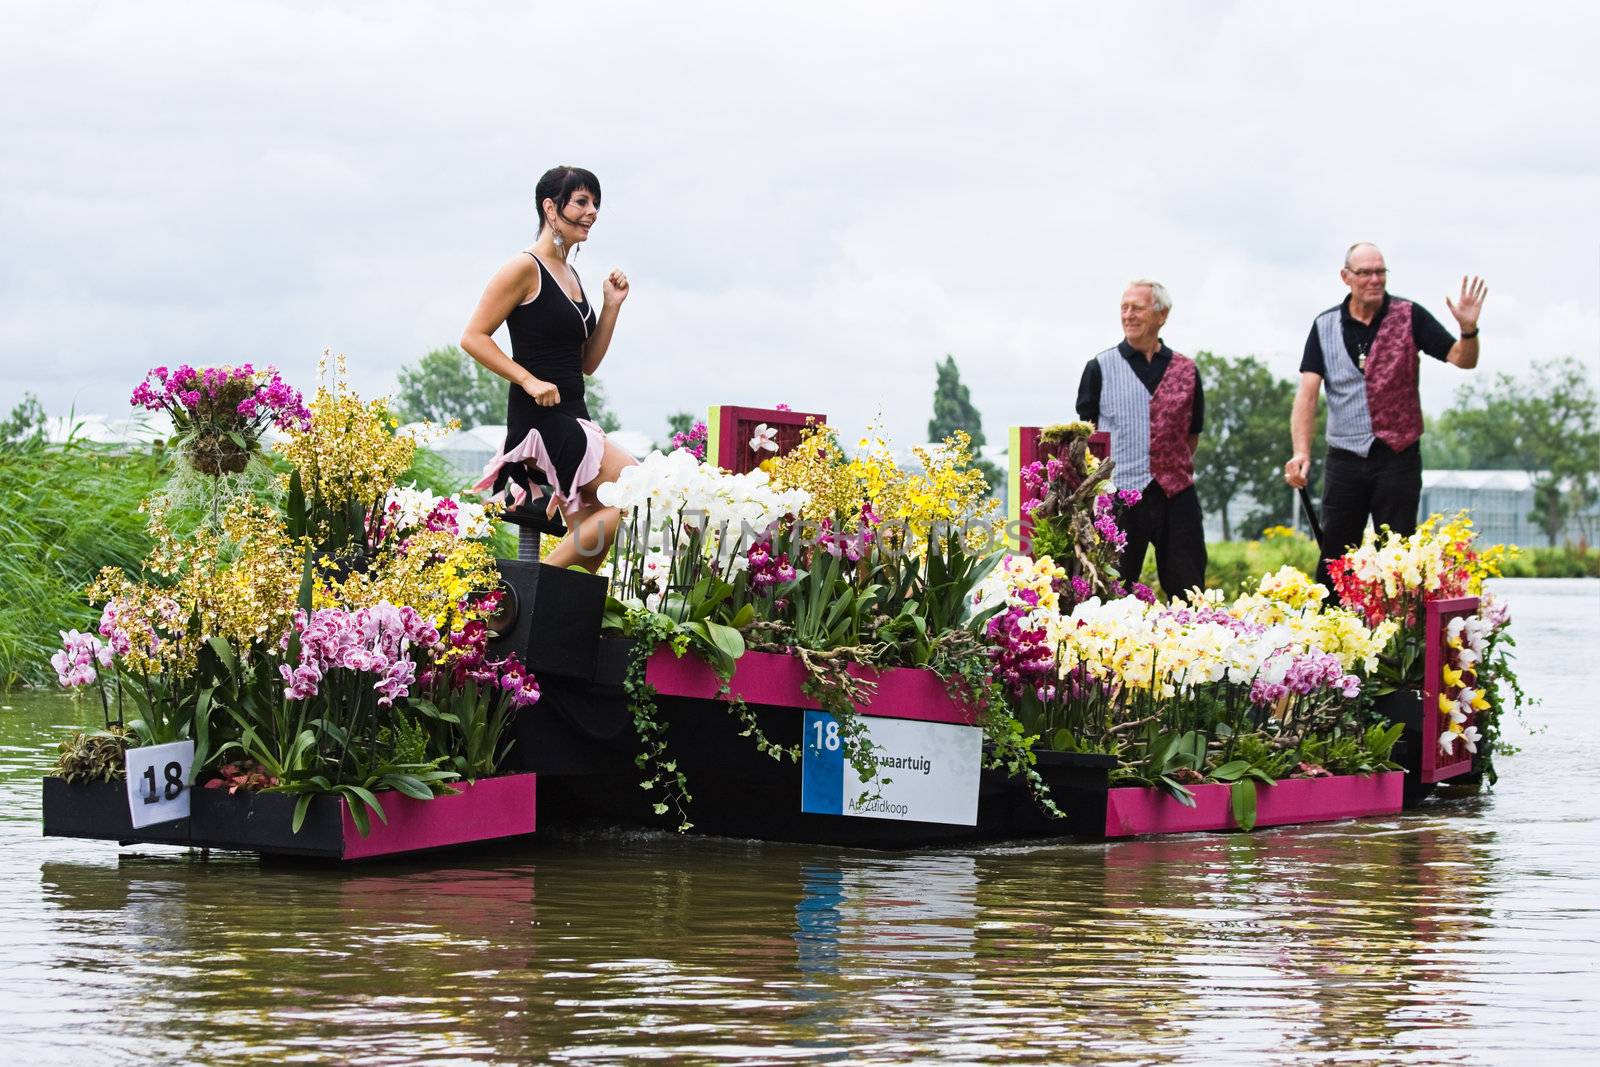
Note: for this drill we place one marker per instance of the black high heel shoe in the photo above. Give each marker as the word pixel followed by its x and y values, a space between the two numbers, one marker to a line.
pixel 532 513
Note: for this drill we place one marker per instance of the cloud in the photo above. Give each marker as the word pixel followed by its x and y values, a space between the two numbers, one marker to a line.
pixel 814 203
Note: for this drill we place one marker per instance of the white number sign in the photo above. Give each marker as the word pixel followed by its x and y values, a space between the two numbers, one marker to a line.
pixel 158 782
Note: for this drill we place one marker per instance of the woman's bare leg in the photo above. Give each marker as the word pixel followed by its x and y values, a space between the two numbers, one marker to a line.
pixel 593 527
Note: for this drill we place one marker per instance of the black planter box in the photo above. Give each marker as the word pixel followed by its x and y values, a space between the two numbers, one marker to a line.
pixel 1405 706
pixel 99 811
pixel 551 618
pixel 486 810
pixel 259 822
pixel 1077 781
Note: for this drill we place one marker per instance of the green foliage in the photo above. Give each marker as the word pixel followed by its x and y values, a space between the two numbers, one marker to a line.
pixel 94 757
pixel 1245 441
pixel 448 384
pixel 1562 561
pixel 1237 566
pixel 953 408
pixel 594 393
pixel 1258 751
pixel 650 630
pixel 66 511
pixel 470 730
pixel 1167 760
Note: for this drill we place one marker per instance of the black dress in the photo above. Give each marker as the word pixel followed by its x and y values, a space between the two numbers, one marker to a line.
pixel 547 338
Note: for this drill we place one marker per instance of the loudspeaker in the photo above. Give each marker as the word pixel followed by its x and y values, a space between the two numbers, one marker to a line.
pixel 549 617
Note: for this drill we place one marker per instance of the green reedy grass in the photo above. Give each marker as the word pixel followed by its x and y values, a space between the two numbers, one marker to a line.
pixel 66 511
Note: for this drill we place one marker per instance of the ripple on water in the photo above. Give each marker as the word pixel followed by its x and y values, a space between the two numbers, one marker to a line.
pixel 1468 931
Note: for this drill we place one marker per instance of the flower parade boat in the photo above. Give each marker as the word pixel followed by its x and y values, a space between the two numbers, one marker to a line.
pixel 301 665
pixel 795 638
pixel 805 642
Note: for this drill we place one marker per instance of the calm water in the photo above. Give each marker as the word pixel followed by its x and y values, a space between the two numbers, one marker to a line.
pixel 1465 933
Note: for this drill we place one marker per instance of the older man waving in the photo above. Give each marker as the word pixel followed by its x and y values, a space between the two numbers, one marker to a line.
pixel 1148 398
pixel 1364 350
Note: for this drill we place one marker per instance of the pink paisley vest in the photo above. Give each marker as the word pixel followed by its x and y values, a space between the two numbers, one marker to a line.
pixel 1392 400
pixel 1171 412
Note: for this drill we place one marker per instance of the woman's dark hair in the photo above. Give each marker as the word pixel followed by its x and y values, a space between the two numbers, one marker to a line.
pixel 558 184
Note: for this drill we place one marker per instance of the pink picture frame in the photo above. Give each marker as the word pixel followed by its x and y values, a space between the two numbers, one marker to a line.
pixel 1437 767
pixel 729 429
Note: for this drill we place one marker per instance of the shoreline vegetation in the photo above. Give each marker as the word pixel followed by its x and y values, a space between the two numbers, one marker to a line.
pixel 1235 566
pixel 68 510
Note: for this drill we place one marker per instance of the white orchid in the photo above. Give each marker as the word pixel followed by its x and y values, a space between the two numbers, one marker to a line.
pixel 670 495
pixel 765 439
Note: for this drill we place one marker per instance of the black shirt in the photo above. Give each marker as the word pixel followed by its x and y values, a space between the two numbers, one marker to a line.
pixel 1149 372
pixel 1425 330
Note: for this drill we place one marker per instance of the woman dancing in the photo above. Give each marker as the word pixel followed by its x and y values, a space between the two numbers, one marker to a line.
pixel 556 338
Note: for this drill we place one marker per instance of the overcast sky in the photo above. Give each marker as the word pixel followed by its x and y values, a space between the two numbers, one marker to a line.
pixel 815 202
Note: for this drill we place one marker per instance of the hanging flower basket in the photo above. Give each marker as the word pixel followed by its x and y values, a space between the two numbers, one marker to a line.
pixel 218 413
pixel 217 453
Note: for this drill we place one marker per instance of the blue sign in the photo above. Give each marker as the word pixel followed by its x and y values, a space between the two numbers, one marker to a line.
pixel 822 766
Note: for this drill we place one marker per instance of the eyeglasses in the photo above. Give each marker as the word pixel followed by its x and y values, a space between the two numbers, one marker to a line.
pixel 1369 272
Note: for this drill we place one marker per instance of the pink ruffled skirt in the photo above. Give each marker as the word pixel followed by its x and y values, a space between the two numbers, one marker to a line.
pixel 532 450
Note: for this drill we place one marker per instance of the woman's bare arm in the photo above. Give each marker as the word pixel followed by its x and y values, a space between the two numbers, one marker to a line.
pixel 594 349
pixel 511 285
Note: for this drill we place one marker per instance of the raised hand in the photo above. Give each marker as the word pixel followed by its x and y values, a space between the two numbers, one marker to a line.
pixel 1470 303
pixel 616 287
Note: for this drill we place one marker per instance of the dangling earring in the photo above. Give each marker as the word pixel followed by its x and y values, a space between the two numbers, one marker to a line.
pixel 560 242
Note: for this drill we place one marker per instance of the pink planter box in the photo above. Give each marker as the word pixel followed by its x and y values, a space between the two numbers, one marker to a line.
pixel 1131 811
pixel 769 678
pixel 484 810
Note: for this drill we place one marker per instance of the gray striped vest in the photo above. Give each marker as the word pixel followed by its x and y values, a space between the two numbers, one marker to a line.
pixel 1349 424
pixel 1125 414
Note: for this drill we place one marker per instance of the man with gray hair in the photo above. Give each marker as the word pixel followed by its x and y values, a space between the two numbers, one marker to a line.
pixel 1149 399
pixel 1365 352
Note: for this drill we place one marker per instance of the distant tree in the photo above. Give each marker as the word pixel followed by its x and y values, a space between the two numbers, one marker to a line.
pixel 677 422
pixel 1466 437
pixel 1541 422
pixel 448 384
pixel 25 424
pixel 1245 441
pixel 954 410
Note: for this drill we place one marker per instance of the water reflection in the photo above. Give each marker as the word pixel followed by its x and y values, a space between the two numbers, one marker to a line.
pixel 1469 931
